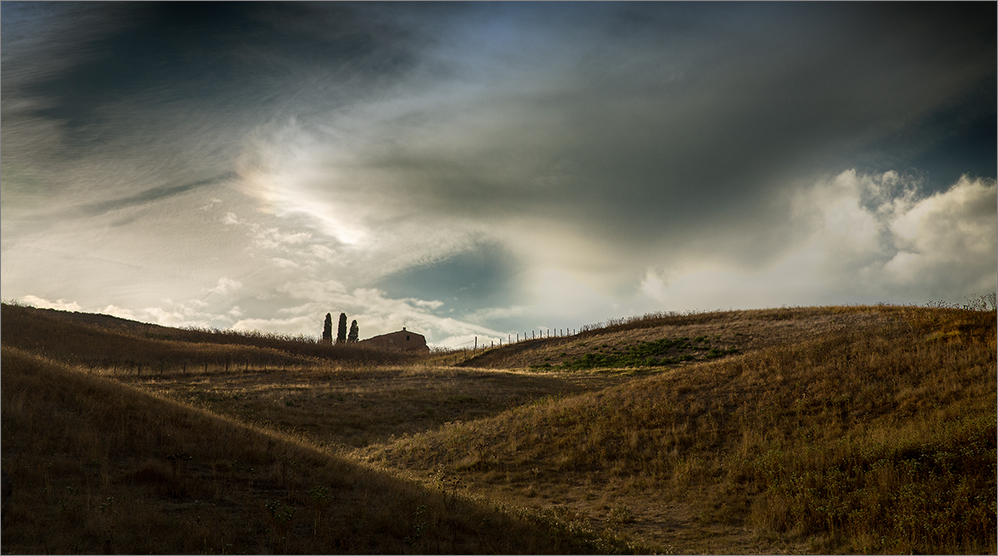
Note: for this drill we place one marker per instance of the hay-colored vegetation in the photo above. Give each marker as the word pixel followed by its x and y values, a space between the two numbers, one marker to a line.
pixel 836 429
pixel 874 439
pixel 100 467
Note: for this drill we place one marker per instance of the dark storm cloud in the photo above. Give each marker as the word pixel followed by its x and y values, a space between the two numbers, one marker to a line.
pixel 663 119
pixel 234 60
pixel 659 97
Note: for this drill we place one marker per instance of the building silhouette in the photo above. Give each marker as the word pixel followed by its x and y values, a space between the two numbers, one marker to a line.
pixel 403 340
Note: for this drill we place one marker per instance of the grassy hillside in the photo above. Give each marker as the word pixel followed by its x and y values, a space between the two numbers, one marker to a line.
pixel 102 468
pixel 671 339
pixel 835 429
pixel 123 346
pixel 875 438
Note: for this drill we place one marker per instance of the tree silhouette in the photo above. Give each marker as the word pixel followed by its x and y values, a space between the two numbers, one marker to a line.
pixel 341 332
pixel 354 335
pixel 327 330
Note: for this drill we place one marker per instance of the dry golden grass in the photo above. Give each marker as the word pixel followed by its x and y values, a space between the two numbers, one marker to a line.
pixel 876 438
pixel 99 467
pixel 742 330
pixel 351 408
pixel 836 429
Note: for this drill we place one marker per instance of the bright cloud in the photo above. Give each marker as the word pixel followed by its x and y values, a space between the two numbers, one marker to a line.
pixel 948 242
pixel 60 304
pixel 872 238
pixel 226 286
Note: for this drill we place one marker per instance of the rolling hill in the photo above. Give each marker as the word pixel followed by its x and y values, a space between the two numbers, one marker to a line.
pixel 874 436
pixel 100 467
pixel 831 429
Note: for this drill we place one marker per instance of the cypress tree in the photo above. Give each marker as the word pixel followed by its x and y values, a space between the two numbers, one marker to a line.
pixel 341 332
pixel 327 330
pixel 354 335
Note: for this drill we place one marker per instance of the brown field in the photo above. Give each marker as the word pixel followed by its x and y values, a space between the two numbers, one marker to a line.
pixel 834 429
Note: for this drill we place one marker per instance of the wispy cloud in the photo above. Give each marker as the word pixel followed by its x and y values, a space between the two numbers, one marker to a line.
pixel 146 197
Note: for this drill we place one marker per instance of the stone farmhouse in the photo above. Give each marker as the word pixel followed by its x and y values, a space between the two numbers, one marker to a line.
pixel 403 340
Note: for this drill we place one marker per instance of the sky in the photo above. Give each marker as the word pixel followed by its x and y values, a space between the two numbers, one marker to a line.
pixel 480 170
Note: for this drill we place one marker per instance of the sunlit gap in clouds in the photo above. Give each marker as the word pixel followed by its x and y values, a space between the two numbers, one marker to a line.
pixel 283 175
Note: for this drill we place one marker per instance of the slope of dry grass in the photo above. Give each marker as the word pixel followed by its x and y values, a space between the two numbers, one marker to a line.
pixel 122 346
pixel 102 468
pixel 722 330
pixel 866 439
pixel 341 409
pixel 835 429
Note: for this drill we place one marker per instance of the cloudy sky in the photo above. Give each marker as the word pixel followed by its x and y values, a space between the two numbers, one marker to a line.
pixel 485 169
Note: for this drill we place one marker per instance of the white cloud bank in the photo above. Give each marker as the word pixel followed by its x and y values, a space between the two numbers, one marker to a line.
pixel 947 241
pixel 871 238
pixel 59 304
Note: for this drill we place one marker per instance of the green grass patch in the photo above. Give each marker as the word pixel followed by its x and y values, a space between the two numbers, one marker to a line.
pixel 666 351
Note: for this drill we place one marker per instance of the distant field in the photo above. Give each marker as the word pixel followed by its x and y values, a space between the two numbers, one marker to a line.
pixel 834 429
